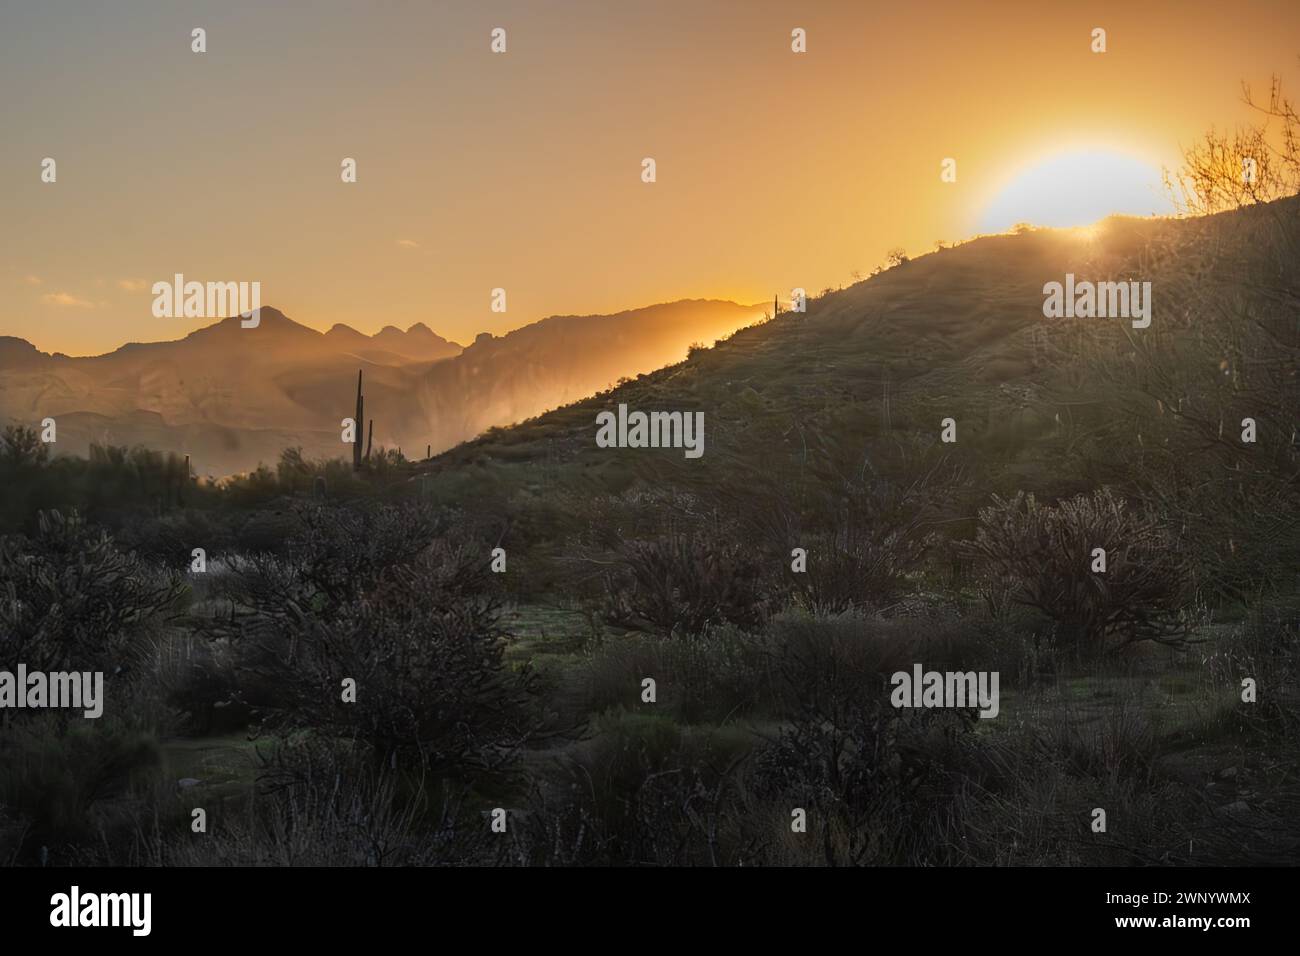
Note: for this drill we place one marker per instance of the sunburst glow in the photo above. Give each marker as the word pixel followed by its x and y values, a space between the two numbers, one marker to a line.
pixel 1077 188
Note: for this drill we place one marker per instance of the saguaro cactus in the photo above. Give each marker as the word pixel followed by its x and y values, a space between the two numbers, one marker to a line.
pixel 356 441
pixel 183 483
pixel 370 440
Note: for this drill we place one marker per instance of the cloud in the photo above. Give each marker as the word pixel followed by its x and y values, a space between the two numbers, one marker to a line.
pixel 63 299
pixel 32 280
pixel 132 285
pixel 408 243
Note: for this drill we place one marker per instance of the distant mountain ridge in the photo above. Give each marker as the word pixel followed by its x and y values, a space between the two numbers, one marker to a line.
pixel 226 395
pixel 419 342
pixel 231 397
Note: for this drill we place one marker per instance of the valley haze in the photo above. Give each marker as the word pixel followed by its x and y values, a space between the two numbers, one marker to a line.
pixel 232 397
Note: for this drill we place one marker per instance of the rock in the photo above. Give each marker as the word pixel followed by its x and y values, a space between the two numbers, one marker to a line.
pixel 1228 773
pixel 186 782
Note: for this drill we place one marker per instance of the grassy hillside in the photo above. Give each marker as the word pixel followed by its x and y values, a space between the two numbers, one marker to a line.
pixel 857 387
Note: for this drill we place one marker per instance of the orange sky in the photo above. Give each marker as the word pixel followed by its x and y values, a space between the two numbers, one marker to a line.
pixel 522 170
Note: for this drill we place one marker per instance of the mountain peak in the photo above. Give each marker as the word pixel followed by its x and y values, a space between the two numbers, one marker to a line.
pixel 16 351
pixel 270 321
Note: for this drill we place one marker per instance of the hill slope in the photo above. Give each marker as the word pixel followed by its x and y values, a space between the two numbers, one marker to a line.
pixel 855 392
pixel 500 381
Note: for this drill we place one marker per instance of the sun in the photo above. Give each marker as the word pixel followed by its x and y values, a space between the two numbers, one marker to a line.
pixel 1077 187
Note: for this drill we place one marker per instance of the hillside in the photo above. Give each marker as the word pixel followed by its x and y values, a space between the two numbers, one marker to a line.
pixel 858 386
pixel 499 381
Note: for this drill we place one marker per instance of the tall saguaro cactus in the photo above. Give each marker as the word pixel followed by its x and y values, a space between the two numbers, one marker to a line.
pixel 356 441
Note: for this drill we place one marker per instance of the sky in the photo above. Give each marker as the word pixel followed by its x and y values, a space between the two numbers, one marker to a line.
pixel 523 170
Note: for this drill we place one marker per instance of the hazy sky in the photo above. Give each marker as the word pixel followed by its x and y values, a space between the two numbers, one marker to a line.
pixel 522 170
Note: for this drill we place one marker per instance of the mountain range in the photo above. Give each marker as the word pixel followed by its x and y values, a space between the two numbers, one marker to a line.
pixel 232 397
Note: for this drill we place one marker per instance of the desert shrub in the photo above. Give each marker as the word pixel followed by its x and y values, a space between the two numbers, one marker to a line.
pixel 69 599
pixel 341 553
pixel 418 633
pixel 1044 554
pixel 198 680
pixel 1229 352
pixel 679 584
pixel 1237 531
pixel 857 765
pixel 856 566
pixel 386 465
pixel 1122 742
pixel 721 675
pixel 264 530
pixel 727 672
pixel 1025 796
pixel 55 774
pixel 320 805
pixel 298 475
pixel 1036 813
pixel 1210 177
pixel 13 831
pixel 848 653
pixel 642 792
pixel 862 522
pixel 1265 648
pixel 21 446
pixel 609 520
pixel 171 538
pixel 1024 652
pixel 327 556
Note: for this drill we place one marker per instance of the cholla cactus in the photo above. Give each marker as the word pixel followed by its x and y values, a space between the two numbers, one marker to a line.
pixel 1041 554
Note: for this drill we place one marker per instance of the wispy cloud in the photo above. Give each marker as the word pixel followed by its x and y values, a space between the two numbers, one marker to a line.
pixel 408 243
pixel 64 299
pixel 132 285
pixel 32 280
